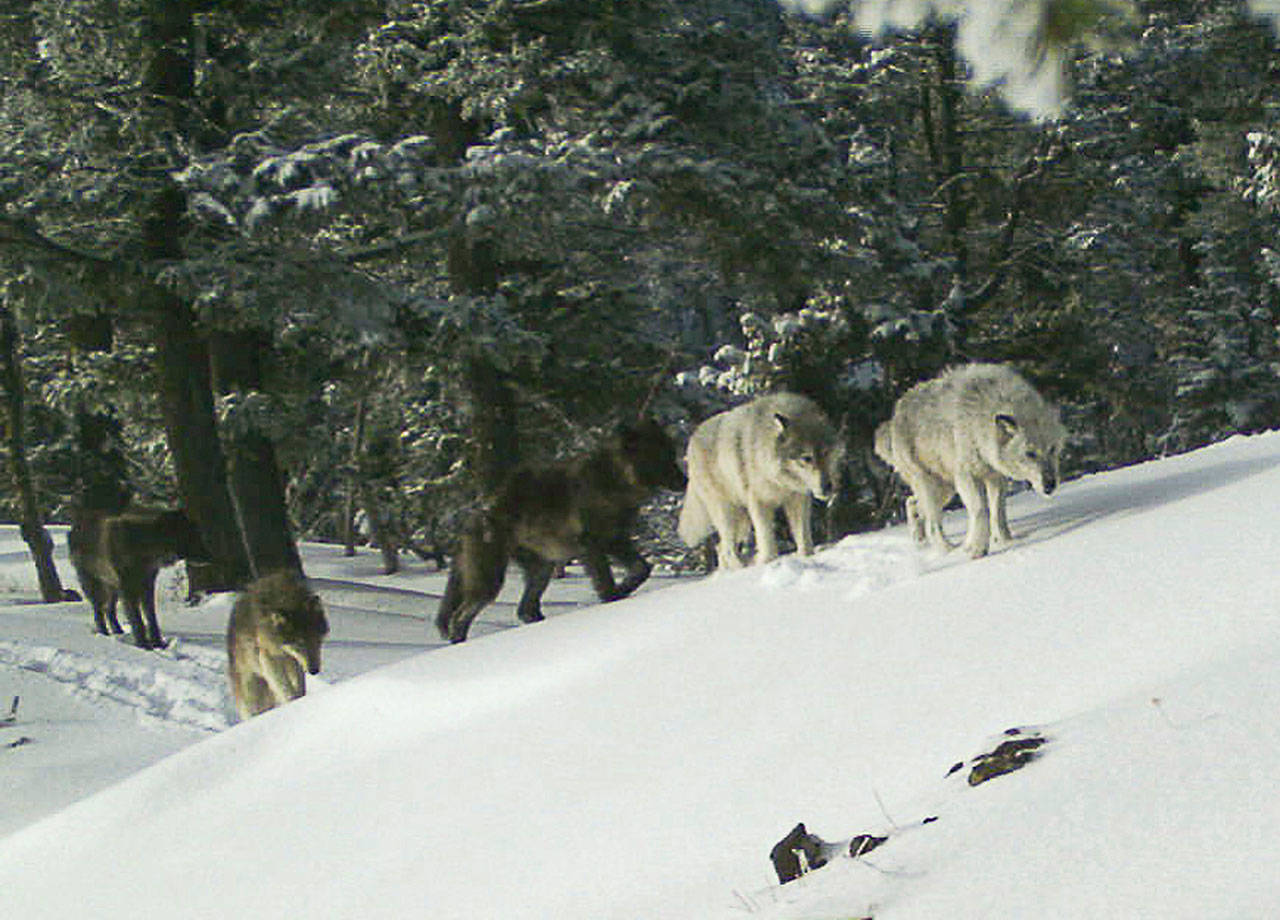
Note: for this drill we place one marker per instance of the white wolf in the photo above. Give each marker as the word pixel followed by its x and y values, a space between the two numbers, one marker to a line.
pixel 968 431
pixel 273 642
pixel 744 464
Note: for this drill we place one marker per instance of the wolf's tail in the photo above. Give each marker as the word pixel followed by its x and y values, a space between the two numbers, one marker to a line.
pixel 695 523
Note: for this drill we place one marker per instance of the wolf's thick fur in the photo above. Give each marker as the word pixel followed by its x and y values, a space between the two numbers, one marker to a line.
pixel 581 508
pixel 968 431
pixel 778 451
pixel 118 554
pixel 273 641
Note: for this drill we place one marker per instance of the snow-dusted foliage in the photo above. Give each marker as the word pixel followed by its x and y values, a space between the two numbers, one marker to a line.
pixel 1020 47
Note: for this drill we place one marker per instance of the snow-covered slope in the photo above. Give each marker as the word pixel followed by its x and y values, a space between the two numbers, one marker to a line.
pixel 639 759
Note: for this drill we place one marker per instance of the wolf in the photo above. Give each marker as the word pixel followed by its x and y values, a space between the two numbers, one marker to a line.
pixel 969 431
pixel 777 451
pixel 118 555
pixel 273 641
pixel 583 508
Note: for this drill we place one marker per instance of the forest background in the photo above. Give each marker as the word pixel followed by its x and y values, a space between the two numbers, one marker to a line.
pixel 302 264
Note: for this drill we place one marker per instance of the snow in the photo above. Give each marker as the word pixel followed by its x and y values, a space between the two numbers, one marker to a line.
pixel 640 759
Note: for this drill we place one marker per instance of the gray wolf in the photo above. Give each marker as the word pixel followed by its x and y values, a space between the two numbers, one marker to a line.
pixel 118 555
pixel 969 431
pixel 777 451
pixel 582 508
pixel 273 641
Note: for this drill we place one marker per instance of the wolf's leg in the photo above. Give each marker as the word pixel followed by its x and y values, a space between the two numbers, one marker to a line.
pixel 131 591
pixel 729 522
pixel 462 619
pixel 915 523
pixel 102 599
pixel 997 491
pixel 638 568
pixel 154 639
pixel 978 538
pixel 451 601
pixel 930 495
pixel 596 563
pixel 253 696
pixel 109 608
pixel 284 677
pixel 799 510
pixel 475 578
pixel 537 575
pixel 766 538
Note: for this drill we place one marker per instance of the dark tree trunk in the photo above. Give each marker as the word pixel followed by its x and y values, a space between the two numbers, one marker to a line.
pixel 353 478
pixel 186 393
pixel 493 445
pixel 383 533
pixel 948 147
pixel 186 400
pixel 257 485
pixel 33 530
pixel 102 472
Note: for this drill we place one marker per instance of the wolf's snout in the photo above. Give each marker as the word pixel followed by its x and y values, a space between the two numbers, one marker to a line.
pixel 1050 483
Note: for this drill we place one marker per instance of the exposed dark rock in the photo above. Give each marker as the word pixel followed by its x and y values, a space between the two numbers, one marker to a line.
pixel 797 853
pixel 864 844
pixel 800 852
pixel 1007 757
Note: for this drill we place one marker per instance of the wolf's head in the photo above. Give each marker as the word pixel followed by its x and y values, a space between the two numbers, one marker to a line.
pixel 302 633
pixel 1029 448
pixel 810 455
pixel 294 618
pixel 651 454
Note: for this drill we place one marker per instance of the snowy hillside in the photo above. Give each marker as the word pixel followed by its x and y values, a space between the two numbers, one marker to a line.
pixel 640 759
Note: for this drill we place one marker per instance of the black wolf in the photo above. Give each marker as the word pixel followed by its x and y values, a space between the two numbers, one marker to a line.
pixel 118 554
pixel 582 508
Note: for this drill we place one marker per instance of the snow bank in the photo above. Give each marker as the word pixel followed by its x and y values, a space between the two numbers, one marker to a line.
pixel 639 759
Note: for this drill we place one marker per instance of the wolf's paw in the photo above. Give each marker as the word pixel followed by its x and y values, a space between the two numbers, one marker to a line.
pixel 975 551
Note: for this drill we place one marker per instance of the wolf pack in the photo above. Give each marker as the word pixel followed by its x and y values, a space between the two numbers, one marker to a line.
pixel 968 432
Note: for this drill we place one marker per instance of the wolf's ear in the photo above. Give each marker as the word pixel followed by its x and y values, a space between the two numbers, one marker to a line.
pixel 782 421
pixel 1006 427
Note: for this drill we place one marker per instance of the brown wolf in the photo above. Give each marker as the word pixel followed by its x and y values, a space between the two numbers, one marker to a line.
pixel 273 641
pixel 581 508
pixel 118 554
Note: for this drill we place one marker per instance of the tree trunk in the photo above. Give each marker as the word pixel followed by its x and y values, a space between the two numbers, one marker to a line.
pixel 186 393
pixel 353 478
pixel 257 485
pixel 33 530
pixel 385 537
pixel 493 445
pixel 949 150
pixel 494 441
